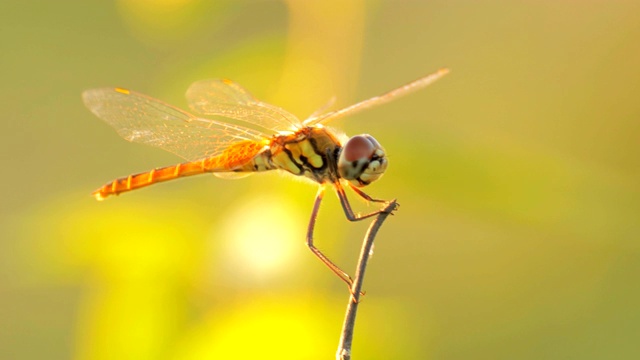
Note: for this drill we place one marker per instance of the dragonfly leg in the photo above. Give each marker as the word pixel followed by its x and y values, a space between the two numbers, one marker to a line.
pixel 351 216
pixel 333 267
pixel 364 195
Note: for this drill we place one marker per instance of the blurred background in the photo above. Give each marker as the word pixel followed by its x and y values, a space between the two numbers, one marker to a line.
pixel 517 175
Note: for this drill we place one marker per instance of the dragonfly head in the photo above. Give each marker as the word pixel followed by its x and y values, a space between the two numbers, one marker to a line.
pixel 362 160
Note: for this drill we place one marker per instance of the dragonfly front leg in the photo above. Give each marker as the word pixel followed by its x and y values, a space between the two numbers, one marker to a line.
pixel 333 267
pixel 351 216
pixel 364 195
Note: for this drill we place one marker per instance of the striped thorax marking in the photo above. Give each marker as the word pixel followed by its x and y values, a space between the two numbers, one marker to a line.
pixel 305 152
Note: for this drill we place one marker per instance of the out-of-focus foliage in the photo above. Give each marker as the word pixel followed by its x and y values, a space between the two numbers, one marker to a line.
pixel 517 174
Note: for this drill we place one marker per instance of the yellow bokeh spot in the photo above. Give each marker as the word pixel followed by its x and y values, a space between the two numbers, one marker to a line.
pixel 260 235
pixel 265 328
pixel 164 21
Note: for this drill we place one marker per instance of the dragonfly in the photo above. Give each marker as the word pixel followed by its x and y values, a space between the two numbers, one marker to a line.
pixel 244 135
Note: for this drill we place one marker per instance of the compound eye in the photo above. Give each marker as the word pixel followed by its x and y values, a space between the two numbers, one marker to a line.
pixel 358 148
pixel 362 160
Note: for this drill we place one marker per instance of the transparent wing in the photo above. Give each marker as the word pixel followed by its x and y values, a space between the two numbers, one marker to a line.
pixel 378 100
pixel 143 119
pixel 228 99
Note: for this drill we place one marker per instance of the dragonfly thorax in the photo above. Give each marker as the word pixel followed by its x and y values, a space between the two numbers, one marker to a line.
pixel 310 152
pixel 362 160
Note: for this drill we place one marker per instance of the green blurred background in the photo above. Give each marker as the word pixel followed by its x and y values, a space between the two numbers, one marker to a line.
pixel 518 234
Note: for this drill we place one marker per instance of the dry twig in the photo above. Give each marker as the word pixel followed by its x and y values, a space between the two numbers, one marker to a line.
pixel 346 337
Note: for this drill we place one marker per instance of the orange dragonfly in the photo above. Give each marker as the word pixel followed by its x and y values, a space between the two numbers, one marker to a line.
pixel 263 137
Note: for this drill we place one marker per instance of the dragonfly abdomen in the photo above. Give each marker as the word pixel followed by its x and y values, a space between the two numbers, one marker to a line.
pixel 245 156
pixel 136 181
